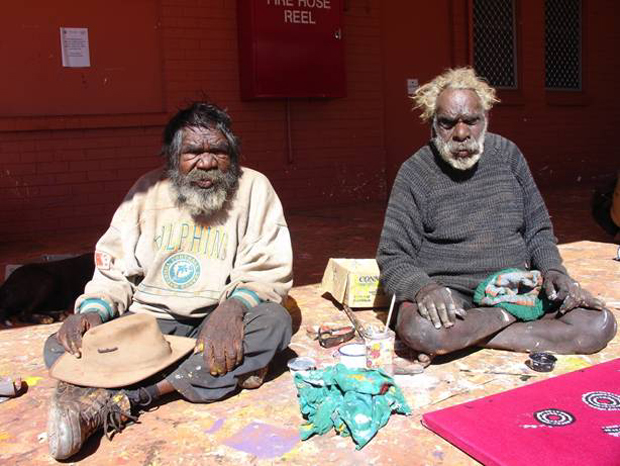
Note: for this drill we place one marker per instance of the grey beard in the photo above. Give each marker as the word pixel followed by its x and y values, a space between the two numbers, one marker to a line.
pixel 201 201
pixel 473 146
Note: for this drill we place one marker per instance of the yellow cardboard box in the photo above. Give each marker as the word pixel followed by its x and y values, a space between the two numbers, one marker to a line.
pixel 354 282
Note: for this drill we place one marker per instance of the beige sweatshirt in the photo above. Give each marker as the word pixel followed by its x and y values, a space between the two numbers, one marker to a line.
pixel 156 258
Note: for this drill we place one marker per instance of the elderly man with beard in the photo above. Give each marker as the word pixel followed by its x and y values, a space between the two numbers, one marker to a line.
pixel 463 208
pixel 202 245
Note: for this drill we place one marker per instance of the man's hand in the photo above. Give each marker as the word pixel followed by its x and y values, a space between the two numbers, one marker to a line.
pixel 72 329
pixel 561 287
pixel 221 338
pixel 436 304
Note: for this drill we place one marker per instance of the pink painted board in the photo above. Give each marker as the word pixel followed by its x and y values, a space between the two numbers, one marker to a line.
pixel 571 419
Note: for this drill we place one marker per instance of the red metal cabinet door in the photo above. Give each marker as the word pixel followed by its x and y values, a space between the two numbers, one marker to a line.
pixel 291 48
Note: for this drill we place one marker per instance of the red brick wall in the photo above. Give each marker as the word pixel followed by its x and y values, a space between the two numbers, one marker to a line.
pixel 565 136
pixel 55 180
pixel 61 174
pixel 411 52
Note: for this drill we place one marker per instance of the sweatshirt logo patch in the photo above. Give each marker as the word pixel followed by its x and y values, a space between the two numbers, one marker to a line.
pixel 102 260
pixel 181 271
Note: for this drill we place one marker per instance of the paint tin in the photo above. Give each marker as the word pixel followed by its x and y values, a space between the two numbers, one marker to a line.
pixel 301 364
pixel 353 355
pixel 10 388
pixel 333 335
pixel 380 350
pixel 541 362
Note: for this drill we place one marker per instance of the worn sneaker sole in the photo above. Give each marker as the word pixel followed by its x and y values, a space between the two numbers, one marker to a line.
pixel 64 437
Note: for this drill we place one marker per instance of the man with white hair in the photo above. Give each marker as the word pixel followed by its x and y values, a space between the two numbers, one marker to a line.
pixel 467 245
pixel 202 245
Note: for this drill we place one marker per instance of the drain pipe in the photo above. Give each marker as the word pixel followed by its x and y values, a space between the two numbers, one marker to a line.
pixel 289 139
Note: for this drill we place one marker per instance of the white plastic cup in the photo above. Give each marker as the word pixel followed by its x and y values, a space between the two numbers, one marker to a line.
pixel 353 355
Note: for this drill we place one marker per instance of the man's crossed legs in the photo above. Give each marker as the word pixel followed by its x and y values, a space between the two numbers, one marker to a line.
pixel 579 331
pixel 77 412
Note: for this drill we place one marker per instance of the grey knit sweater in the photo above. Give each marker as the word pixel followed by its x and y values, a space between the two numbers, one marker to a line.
pixel 458 227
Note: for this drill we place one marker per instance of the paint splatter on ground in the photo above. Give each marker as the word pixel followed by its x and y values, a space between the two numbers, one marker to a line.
pixel 572 363
pixel 191 433
pixel 32 381
pixel 264 440
pixel 217 425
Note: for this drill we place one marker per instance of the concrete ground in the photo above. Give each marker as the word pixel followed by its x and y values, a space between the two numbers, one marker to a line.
pixel 260 426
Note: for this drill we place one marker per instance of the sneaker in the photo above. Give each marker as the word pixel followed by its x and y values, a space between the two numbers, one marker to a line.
pixel 254 379
pixel 76 413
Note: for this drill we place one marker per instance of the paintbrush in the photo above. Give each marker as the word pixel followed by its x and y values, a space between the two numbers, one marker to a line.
pixel 354 320
pixel 389 316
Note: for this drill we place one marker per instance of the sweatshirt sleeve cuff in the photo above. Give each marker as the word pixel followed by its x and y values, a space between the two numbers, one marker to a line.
pixel 557 268
pixel 247 297
pixel 99 306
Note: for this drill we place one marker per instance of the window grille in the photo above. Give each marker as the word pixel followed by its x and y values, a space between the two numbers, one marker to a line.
pixel 495 42
pixel 563 44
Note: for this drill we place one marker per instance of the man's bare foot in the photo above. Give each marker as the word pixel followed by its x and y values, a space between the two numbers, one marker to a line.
pixel 417 358
pixel 424 359
pixel 254 379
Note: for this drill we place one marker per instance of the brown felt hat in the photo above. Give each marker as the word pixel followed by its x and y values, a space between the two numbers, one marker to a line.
pixel 120 353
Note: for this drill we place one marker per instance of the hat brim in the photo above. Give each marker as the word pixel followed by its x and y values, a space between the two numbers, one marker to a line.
pixel 70 369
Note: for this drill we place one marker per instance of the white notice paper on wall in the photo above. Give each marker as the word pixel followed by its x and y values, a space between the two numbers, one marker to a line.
pixel 74 45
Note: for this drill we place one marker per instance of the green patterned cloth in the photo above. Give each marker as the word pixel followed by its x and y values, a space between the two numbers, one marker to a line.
pixel 355 402
pixel 517 291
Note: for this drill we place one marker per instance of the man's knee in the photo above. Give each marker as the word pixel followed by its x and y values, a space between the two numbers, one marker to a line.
pixel 275 314
pixel 608 325
pixel 597 329
pixel 419 333
pixel 274 320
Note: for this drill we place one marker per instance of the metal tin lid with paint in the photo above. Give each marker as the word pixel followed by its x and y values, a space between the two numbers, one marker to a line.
pixel 541 362
pixel 376 333
pixel 301 364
